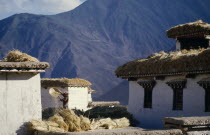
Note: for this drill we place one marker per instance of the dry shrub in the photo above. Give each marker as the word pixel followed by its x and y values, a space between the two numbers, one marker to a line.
pixel 17 56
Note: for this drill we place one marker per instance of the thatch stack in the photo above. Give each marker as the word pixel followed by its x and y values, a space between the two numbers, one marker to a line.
pixel 21 61
pixel 64 82
pixel 167 63
pixel 199 27
pixel 17 56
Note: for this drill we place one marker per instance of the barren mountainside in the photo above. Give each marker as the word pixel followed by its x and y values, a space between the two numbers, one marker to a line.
pixel 92 40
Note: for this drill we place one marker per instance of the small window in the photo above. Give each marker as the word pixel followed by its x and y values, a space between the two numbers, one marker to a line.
pixel 207 100
pixel 178 99
pixel 148 98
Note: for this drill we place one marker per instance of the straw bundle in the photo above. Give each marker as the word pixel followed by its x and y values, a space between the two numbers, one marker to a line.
pixel 60 121
pixel 44 126
pixel 71 119
pixel 84 123
pixel 165 63
pixel 109 123
pixel 63 121
pixel 198 27
pixel 17 56
pixel 115 112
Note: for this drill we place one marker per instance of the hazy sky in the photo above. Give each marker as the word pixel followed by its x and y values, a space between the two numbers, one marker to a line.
pixel 10 7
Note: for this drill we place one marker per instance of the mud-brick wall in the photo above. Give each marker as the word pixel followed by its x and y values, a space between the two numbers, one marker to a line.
pixel 20 101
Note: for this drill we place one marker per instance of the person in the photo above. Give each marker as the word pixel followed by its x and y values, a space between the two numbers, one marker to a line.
pixel 65 99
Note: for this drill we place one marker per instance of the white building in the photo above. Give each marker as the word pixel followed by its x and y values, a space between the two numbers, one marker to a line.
pixel 78 89
pixel 19 92
pixel 171 84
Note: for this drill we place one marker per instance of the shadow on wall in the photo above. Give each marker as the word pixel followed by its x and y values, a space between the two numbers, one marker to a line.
pixel 24 130
pixel 15 76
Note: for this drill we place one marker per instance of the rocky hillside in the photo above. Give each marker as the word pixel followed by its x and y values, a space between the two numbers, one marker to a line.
pixel 99 35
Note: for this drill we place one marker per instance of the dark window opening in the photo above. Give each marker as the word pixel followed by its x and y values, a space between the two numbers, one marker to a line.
pixel 178 99
pixel 207 100
pixel 148 98
pixel 193 43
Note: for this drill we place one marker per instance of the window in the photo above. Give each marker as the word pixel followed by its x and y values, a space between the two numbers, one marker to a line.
pixel 178 99
pixel 148 86
pixel 147 98
pixel 207 100
pixel 177 85
pixel 205 83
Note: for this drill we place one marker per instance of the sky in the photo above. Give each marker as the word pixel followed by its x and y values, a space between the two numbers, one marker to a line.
pixel 46 7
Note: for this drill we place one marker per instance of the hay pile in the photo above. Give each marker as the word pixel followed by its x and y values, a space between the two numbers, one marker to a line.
pixel 44 126
pixel 17 56
pixel 166 63
pixel 116 112
pixel 109 123
pixel 65 120
pixel 198 27
pixel 64 82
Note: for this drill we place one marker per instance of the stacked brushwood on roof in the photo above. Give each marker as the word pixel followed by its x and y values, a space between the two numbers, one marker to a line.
pixel 19 60
pixel 64 82
pixel 198 27
pixel 166 63
pixel 17 56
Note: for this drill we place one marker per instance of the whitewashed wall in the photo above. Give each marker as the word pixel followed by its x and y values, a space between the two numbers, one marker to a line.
pixel 20 101
pixel 193 102
pixel 78 98
pixel 90 97
pixel 50 102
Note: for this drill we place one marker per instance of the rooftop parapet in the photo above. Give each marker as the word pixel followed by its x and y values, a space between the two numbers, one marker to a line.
pixel 193 29
pixel 166 64
pixel 16 61
pixel 64 82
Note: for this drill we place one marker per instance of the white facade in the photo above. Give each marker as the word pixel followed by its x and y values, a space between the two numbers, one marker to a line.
pixel 78 98
pixel 20 101
pixel 162 101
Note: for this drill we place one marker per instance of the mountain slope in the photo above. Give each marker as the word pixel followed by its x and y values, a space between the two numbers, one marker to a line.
pixel 93 39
